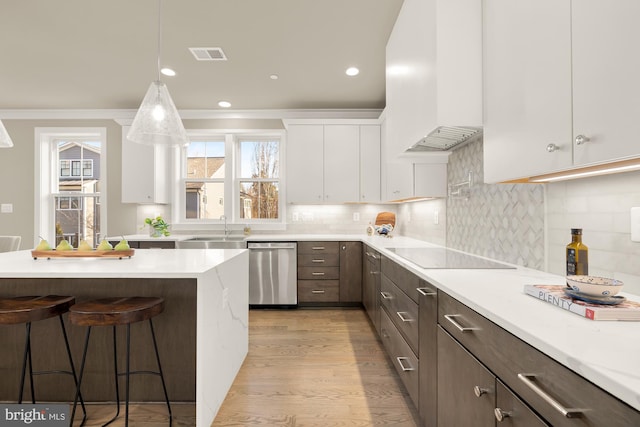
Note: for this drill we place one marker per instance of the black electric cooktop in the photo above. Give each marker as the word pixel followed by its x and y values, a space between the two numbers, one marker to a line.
pixel 446 259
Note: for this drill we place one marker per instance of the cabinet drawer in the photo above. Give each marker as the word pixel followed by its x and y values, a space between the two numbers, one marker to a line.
pixel 402 311
pixel 318 247
pixel 372 257
pixel 402 277
pixel 535 377
pixel 322 260
pixel 318 290
pixel 402 358
pixel 319 273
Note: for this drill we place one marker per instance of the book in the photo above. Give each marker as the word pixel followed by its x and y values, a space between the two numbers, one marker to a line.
pixel 555 295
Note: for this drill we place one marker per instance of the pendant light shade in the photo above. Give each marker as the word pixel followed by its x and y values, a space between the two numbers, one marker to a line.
pixel 157 120
pixel 5 139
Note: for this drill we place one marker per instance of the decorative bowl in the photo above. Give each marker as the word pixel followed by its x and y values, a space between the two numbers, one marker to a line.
pixel 596 286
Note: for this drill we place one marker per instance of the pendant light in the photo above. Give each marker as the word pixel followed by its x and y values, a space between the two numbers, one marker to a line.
pixel 157 121
pixel 5 139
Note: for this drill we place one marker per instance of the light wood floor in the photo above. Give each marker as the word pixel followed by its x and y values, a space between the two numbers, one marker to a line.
pixel 315 368
pixel 305 368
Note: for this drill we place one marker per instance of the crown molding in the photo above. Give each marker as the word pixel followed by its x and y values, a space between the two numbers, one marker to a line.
pixel 126 116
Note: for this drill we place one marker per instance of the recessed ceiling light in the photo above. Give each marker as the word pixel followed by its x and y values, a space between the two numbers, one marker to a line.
pixel 168 72
pixel 352 71
pixel 224 104
pixel 273 77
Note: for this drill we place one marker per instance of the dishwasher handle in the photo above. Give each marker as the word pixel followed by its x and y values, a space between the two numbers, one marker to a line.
pixel 271 245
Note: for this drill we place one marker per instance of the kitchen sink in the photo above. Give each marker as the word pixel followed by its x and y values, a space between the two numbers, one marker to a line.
pixel 213 242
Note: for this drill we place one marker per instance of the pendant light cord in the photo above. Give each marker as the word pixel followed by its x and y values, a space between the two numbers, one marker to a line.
pixel 159 34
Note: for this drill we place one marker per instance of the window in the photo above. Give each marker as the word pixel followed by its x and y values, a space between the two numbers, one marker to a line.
pixel 259 179
pixel 70 202
pixel 237 176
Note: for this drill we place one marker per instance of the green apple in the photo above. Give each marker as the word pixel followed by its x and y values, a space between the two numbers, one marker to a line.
pixel 84 246
pixel 64 246
pixel 123 245
pixel 43 245
pixel 104 246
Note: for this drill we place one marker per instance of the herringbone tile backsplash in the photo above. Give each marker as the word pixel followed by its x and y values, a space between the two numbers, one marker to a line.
pixel 499 221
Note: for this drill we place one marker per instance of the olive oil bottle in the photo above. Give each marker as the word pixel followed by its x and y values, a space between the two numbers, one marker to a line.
pixel 577 254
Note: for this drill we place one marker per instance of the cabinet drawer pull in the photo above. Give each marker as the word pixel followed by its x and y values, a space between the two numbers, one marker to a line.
pixel 461 328
pixel 426 292
pixel 373 273
pixel 479 391
pixel 317 260
pixel 567 412
pixel 317 248
pixel 316 273
pixel 317 291
pixel 501 415
pixel 386 295
pixel 401 361
pixel 402 315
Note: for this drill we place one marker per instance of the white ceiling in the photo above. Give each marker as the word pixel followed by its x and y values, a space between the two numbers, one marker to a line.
pixel 101 54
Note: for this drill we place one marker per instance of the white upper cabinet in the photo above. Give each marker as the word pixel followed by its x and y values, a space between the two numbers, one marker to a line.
pixel 341 163
pixel 606 87
pixel 305 166
pixel 370 145
pixel 433 71
pixel 559 85
pixel 333 163
pixel 145 172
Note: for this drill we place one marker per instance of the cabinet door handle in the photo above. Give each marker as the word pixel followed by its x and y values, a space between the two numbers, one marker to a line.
pixel 426 292
pixel 552 147
pixel 581 139
pixel 318 248
pixel 317 291
pixel 450 318
pixel 317 261
pixel 401 362
pixel 315 273
pixel 501 415
pixel 403 316
pixel 386 295
pixel 479 391
pixel 567 412
pixel 373 273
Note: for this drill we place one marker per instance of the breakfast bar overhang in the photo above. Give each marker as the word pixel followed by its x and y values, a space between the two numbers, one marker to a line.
pixel 202 333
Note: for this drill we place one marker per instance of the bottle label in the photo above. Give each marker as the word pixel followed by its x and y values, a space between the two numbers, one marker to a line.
pixel 571 261
pixel 577 262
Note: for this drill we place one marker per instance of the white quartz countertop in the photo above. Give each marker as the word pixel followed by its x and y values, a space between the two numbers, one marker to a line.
pixel 145 263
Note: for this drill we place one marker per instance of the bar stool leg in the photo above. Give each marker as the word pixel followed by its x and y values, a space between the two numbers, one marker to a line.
pixel 164 387
pixel 73 368
pixel 84 359
pixel 115 375
pixel 27 359
pixel 126 414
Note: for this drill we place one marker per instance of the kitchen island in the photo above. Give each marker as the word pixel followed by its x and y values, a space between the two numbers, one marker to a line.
pixel 202 334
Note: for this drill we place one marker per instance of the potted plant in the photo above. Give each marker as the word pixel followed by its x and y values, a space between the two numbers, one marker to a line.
pixel 157 227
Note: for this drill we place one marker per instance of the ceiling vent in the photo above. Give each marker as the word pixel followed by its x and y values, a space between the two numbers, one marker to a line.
pixel 208 53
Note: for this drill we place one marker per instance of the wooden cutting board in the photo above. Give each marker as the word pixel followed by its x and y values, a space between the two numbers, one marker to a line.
pixel 386 218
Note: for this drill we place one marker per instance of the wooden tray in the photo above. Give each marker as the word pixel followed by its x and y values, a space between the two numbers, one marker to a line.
pixel 386 218
pixel 82 254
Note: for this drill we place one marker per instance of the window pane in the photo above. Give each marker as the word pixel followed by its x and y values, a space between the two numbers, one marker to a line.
pixel 74 223
pixel 259 200
pixel 87 168
pixel 205 159
pixel 75 168
pixel 204 200
pixel 259 159
pixel 65 168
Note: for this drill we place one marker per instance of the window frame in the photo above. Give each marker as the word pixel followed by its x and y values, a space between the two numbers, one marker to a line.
pixel 47 176
pixel 231 182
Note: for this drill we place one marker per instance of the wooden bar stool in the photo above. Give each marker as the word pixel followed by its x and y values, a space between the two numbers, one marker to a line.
pixel 28 309
pixel 114 312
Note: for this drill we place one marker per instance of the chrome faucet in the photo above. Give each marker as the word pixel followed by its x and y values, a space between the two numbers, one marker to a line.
pixel 226 230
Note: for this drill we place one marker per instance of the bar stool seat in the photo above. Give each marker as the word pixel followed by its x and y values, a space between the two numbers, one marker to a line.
pixel 28 309
pixel 114 312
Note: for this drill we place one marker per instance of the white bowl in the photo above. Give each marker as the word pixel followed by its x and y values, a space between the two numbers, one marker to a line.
pixel 596 286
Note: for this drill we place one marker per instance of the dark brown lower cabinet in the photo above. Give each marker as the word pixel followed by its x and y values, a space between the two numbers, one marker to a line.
pixel 466 389
pixel 428 353
pixel 371 285
pixel 510 411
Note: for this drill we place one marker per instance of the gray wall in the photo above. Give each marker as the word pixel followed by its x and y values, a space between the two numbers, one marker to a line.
pixel 17 178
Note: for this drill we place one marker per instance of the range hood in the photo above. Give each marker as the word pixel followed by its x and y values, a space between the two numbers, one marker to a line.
pixel 444 138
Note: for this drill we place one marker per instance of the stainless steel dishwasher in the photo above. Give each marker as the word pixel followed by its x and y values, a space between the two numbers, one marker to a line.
pixel 273 274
